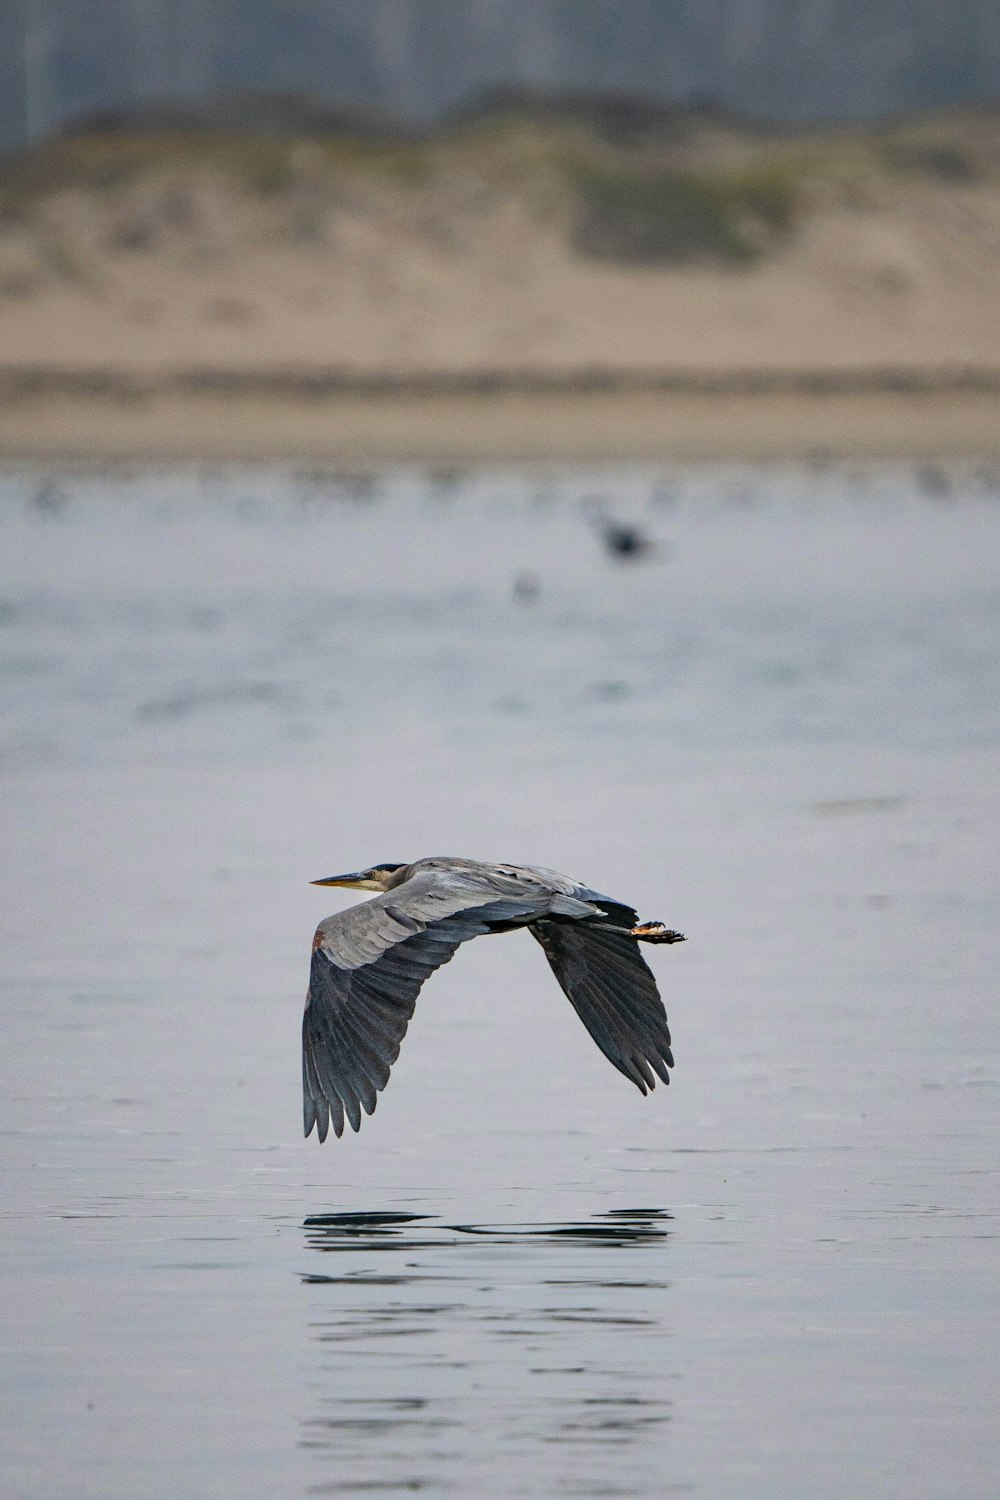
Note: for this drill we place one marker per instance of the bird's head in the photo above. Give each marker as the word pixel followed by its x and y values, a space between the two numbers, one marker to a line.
pixel 376 878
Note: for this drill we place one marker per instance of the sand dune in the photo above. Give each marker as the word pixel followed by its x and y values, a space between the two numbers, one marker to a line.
pixel 153 262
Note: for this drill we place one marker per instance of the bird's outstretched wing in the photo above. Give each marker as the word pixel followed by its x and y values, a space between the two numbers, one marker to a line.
pixel 613 992
pixel 369 963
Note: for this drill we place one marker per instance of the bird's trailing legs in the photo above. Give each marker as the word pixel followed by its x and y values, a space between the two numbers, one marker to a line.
pixel 650 932
pixel 655 932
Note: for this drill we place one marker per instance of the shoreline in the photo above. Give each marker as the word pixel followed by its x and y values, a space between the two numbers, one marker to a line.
pixel 757 418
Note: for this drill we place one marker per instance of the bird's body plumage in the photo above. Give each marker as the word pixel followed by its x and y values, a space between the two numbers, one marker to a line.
pixel 370 961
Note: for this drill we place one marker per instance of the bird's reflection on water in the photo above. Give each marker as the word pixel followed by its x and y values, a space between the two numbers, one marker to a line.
pixel 489 1345
pixel 390 1231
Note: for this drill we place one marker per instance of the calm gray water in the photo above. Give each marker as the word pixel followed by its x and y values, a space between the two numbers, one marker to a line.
pixel 779 733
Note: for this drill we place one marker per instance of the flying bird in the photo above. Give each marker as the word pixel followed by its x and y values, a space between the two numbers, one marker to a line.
pixel 370 961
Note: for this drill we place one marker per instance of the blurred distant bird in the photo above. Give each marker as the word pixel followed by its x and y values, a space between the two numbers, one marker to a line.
pixel 526 587
pixel 625 539
pixel 49 499
pixel 933 480
pixel 370 961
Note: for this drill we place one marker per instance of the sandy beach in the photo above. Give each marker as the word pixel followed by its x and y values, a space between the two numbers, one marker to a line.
pixel 526 293
pixel 508 428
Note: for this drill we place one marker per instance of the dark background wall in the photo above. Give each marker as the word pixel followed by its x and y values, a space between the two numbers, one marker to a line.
pixel 783 58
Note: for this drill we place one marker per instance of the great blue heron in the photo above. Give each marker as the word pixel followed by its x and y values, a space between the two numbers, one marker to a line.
pixel 370 961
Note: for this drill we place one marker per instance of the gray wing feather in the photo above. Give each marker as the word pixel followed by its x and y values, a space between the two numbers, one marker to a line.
pixel 612 990
pixel 369 964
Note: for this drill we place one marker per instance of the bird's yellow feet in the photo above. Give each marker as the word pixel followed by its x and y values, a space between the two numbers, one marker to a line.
pixel 655 932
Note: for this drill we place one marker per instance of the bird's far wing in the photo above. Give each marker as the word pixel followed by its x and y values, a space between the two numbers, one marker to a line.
pixel 614 993
pixel 369 963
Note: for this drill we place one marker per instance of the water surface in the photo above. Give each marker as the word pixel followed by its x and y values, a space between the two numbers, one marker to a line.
pixel 778 732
